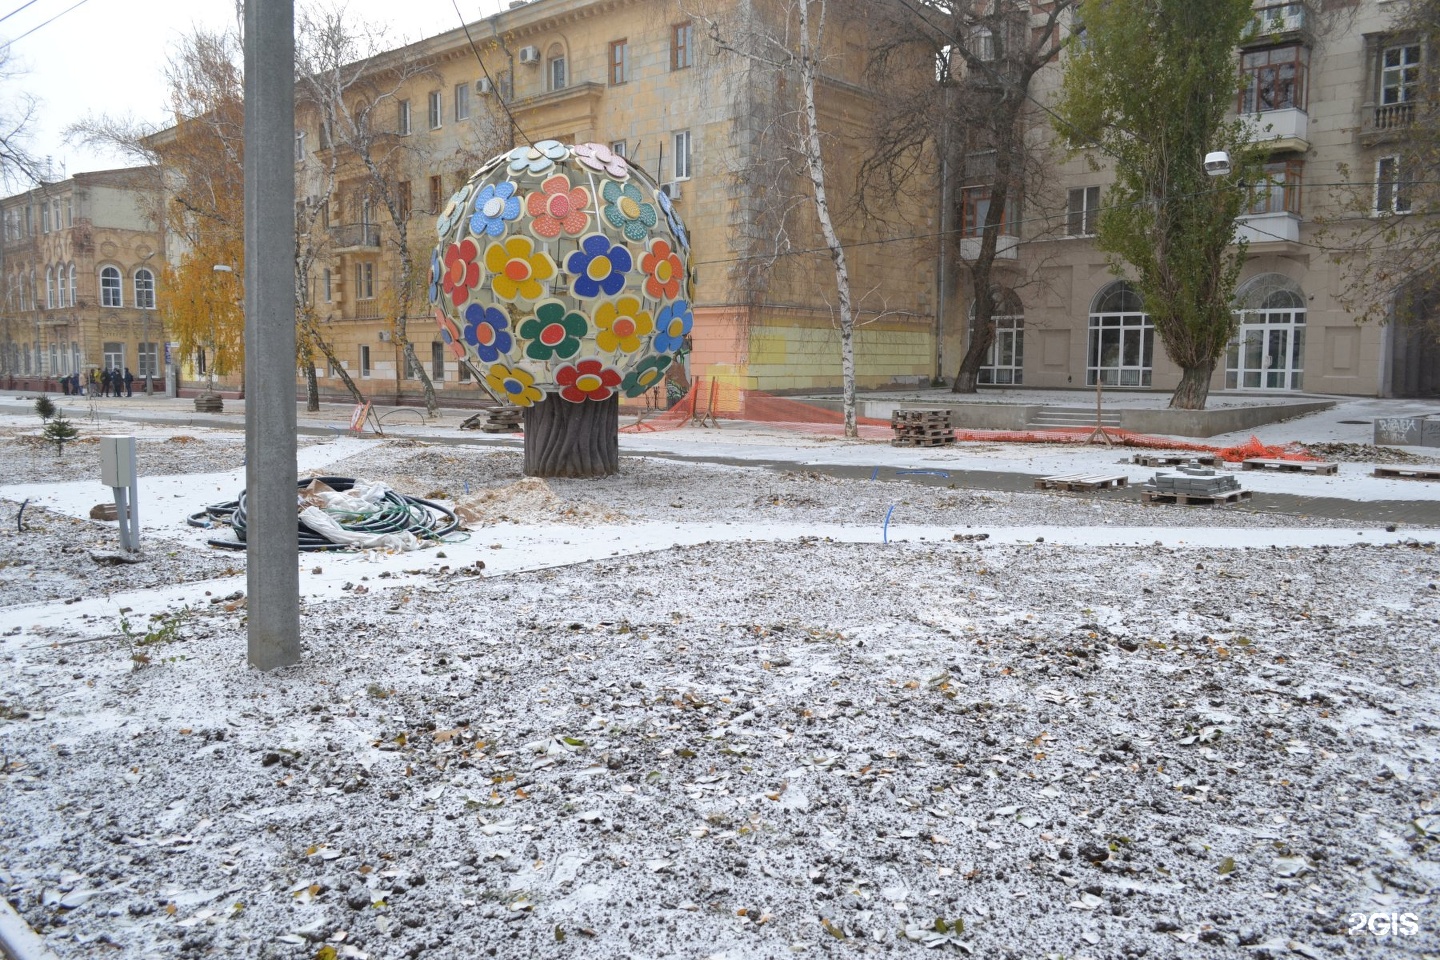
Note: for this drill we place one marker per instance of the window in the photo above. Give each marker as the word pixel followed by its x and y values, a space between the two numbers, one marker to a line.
pixel 555 67
pixel 1122 339
pixel 982 42
pixel 327 285
pixel 49 288
pixel 462 101
pixel 1274 79
pixel 402 127
pixel 364 360
pixel 618 148
pixel 60 286
pixel 73 286
pixel 144 289
pixel 299 146
pixel 437 194
pixel 682 156
pixel 682 46
pixel 1084 212
pixel 464 376
pixel 29 221
pixel 437 360
pixel 436 118
pixel 1392 190
pixel 1400 74
pixel 619 62
pixel 44 218
pixel 70 211
pixel 110 293
pixel 975 207
pixel 114 355
pixel 1005 361
pixel 200 361
pixel 148 359
pixel 1279 192
pixel 402 199
pixel 364 281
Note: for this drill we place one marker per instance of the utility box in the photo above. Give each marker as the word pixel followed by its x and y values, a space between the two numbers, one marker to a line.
pixel 117 461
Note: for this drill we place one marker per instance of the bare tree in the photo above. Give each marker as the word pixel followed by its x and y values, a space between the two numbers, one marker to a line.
pixel 17 164
pixel 971 110
pixel 356 85
pixel 786 41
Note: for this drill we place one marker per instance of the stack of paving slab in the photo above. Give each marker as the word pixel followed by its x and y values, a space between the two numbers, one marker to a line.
pixel 1194 482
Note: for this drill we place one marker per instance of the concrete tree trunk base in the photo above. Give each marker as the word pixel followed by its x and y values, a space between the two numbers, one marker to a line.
pixel 564 439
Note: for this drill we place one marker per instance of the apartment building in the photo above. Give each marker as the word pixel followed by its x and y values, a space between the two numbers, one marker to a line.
pixel 640 77
pixel 78 279
pixel 1328 89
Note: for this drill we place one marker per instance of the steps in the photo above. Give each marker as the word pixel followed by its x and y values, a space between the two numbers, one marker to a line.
pixel 1048 418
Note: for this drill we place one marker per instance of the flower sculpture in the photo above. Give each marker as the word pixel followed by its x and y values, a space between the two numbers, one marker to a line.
pixel 563 273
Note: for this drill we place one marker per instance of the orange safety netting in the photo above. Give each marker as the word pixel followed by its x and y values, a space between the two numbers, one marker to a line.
pixel 708 400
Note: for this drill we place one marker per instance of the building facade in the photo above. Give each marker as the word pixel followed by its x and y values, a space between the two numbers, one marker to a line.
pixel 79 276
pixel 640 77
pixel 1328 89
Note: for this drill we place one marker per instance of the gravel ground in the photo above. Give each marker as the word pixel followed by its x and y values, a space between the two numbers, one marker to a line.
pixel 735 749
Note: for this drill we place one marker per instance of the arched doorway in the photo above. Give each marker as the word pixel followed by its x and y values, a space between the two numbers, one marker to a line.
pixel 1005 363
pixel 1122 338
pixel 1268 352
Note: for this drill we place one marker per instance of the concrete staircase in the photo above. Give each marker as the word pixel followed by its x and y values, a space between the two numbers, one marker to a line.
pixel 1048 418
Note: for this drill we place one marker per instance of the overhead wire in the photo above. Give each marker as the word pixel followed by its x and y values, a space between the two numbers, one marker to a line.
pixel 57 16
pixel 22 6
pixel 485 70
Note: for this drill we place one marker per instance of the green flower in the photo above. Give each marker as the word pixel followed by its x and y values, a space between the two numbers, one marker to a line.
pixel 650 372
pixel 554 332
pixel 625 208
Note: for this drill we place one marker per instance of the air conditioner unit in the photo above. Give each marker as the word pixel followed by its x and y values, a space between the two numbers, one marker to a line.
pixel 384 336
pixel 529 54
pixel 671 189
pixel 484 87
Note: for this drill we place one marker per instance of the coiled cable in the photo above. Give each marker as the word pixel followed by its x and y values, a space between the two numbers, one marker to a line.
pixel 395 513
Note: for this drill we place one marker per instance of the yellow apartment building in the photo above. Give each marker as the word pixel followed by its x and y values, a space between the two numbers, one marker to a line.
pixel 642 78
pixel 78 280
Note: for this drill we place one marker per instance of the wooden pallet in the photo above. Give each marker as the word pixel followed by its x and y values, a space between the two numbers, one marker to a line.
pixel 1181 460
pixel 1291 466
pixel 922 428
pixel 1409 473
pixel 936 441
pixel 1081 482
pixel 1195 499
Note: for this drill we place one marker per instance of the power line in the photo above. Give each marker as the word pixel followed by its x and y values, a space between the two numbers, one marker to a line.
pixel 499 95
pixel 45 24
pixel 18 9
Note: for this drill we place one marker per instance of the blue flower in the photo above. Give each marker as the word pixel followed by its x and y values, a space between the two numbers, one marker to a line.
pixel 494 204
pixel 435 275
pixel 598 267
pixel 485 330
pixel 539 158
pixel 453 210
pixel 671 327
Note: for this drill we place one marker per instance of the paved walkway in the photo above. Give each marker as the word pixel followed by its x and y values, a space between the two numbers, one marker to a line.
pixel 411 422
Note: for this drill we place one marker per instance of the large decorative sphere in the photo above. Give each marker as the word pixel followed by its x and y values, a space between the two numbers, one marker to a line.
pixel 562 270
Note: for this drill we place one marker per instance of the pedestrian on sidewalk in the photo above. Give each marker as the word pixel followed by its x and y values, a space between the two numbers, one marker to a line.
pixel 129 382
pixel 65 386
pixel 104 381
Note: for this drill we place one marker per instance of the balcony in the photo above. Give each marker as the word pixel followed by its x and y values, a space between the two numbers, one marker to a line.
pixel 1278 23
pixel 1280 130
pixel 1282 227
pixel 1385 121
pixel 355 236
pixel 1006 247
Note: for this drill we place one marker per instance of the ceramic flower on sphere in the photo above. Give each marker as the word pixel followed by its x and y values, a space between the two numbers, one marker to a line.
pixel 563 272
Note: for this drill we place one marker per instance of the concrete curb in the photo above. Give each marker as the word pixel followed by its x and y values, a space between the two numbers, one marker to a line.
pixel 17 940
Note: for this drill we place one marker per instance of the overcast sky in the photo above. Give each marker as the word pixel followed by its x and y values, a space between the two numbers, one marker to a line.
pixel 107 56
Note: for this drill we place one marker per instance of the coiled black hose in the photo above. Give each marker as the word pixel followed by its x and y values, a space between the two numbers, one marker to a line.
pixel 396 513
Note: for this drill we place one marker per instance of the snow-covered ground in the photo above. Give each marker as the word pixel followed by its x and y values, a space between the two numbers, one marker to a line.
pixel 713 709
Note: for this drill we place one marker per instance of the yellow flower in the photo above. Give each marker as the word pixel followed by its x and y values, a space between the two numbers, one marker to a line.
pixel 622 323
pixel 517 270
pixel 518 385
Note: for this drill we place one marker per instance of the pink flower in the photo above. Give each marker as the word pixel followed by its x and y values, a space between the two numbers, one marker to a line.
pixel 558 207
pixel 599 157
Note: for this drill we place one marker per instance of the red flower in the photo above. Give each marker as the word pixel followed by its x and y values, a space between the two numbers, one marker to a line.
pixel 663 271
pixel 586 380
pixel 461 270
pixel 451 335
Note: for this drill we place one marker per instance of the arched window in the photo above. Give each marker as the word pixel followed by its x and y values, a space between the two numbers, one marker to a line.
pixel 110 292
pixel 73 298
pixel 1268 352
pixel 49 287
pixel 60 287
pixel 144 289
pixel 1122 338
pixel 555 66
